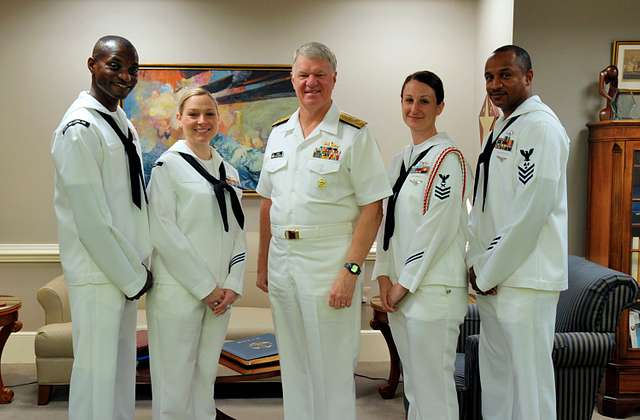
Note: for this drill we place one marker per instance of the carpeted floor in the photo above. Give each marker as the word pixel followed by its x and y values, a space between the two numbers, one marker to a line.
pixel 264 402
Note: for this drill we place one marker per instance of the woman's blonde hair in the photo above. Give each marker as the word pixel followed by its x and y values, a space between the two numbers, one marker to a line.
pixel 197 91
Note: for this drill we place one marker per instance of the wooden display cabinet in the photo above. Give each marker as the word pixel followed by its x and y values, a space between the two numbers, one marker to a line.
pixel 613 240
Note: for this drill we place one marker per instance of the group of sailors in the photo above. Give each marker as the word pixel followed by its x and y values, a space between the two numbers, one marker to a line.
pixel 326 195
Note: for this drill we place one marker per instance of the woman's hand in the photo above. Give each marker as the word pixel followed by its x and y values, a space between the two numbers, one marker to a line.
pixel 213 298
pixel 396 294
pixel 384 284
pixel 229 296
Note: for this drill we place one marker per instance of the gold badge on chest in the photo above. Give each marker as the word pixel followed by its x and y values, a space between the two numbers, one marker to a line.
pixel 322 183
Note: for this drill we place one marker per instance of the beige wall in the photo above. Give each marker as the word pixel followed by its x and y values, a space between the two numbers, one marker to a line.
pixel 46 43
pixel 570 42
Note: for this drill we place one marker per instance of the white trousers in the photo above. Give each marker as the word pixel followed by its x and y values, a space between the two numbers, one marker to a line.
pixel 104 347
pixel 185 340
pixel 516 340
pixel 318 345
pixel 426 338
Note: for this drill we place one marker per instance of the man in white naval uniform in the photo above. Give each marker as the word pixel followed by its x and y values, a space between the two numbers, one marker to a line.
pixel 323 180
pixel 103 231
pixel 518 245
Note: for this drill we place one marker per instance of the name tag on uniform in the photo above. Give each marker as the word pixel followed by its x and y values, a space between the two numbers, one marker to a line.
pixel 329 150
pixel 276 155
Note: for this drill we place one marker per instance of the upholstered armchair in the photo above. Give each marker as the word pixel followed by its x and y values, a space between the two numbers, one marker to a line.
pixel 584 342
pixel 251 315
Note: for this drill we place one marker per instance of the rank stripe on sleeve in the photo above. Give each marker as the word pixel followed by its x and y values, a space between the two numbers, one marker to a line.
pixel 75 122
pixel 434 170
pixel 493 243
pixel 414 257
pixel 235 260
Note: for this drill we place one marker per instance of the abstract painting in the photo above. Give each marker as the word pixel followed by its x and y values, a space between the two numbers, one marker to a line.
pixel 250 99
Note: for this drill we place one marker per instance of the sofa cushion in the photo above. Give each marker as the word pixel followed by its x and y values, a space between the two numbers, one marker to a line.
pixel 54 340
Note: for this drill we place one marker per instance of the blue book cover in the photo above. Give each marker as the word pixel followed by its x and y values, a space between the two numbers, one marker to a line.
pixel 251 348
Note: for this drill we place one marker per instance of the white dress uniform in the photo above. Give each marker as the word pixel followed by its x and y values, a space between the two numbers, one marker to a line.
pixel 104 240
pixel 316 186
pixel 519 243
pixel 426 255
pixel 193 254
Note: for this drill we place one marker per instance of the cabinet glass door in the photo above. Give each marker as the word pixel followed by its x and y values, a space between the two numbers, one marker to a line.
pixel 635 215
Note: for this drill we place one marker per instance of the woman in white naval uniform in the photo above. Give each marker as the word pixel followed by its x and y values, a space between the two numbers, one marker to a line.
pixel 420 263
pixel 198 262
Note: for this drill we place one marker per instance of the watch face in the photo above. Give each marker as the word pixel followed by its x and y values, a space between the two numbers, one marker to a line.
pixel 354 269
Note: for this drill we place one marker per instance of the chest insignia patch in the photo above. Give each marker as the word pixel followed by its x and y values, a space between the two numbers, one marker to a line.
pixel 322 183
pixel 442 190
pixel 421 168
pixel 329 150
pixel 276 155
pixel 504 143
pixel 526 168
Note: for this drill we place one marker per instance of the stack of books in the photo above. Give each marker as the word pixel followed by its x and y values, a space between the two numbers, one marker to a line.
pixel 251 355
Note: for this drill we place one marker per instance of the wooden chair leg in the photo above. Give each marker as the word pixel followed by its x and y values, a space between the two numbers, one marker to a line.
pixel 44 394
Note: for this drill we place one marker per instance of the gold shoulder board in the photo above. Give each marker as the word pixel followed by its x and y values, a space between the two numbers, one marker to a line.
pixel 281 121
pixel 352 121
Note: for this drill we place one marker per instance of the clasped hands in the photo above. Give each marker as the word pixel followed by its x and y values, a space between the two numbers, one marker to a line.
pixel 472 281
pixel 390 294
pixel 219 300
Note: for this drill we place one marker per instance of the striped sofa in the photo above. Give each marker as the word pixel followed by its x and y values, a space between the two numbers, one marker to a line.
pixel 586 321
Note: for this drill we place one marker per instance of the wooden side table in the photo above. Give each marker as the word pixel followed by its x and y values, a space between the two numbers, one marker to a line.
pixel 9 306
pixel 380 322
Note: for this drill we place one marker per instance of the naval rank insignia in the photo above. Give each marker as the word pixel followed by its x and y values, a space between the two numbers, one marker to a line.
pixel 526 169
pixel 442 190
pixel 276 155
pixel 329 150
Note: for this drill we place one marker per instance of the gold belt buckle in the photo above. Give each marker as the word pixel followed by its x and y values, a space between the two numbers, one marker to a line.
pixel 291 234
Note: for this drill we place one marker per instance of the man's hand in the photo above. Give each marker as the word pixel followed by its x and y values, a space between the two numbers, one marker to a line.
pixel 341 293
pixel 147 286
pixel 229 296
pixel 213 298
pixel 263 281
pixel 384 284
pixel 396 294
pixel 472 280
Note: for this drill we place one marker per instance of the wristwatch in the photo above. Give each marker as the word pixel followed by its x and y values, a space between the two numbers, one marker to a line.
pixel 353 268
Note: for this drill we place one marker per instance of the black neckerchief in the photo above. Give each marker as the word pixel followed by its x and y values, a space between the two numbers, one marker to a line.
pixel 484 159
pixel 219 186
pixel 389 221
pixel 135 167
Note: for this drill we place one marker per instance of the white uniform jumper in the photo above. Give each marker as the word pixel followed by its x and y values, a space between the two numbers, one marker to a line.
pixel 426 255
pixel 519 243
pixel 193 254
pixel 104 239
pixel 316 186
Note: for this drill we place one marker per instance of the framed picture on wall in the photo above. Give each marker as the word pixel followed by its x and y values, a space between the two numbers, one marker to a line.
pixel 250 99
pixel 626 56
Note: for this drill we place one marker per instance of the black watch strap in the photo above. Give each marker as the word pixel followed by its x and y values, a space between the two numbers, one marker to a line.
pixel 353 268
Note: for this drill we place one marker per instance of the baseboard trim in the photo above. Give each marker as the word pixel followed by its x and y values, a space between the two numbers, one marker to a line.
pixel 20 348
pixel 22 253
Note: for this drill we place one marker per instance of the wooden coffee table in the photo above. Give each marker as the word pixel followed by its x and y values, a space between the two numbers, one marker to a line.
pixel 9 306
